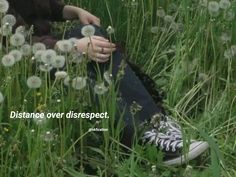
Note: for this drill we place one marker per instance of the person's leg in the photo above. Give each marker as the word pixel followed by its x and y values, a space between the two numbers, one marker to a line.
pixel 167 134
pixel 131 90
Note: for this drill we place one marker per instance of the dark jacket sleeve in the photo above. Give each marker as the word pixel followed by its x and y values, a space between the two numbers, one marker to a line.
pixel 56 8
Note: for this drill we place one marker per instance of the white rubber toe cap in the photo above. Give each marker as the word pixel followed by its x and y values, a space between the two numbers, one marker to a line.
pixel 196 148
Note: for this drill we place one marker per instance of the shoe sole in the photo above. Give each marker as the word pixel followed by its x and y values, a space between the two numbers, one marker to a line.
pixel 194 152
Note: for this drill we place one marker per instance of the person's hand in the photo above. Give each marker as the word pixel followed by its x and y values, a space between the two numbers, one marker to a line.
pixel 98 48
pixel 73 12
pixel 87 18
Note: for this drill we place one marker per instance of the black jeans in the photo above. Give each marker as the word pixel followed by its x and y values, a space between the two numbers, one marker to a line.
pixel 131 89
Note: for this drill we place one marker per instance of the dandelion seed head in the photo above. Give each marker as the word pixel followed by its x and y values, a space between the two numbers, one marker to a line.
pixel 88 30
pixel 154 29
pixel 64 46
pixel 34 82
pixel 67 81
pixel 59 61
pixel 160 13
pixel 225 37
pixel 203 3
pixel 48 56
pixel 4 5
pixel 8 60
pixel 224 4
pixel 213 8
pixel 17 39
pixel 108 77
pixel 73 41
pixel 10 19
pixel 21 30
pixel 233 50
pixel 163 29
pixel 228 54
pixel 58 100
pixel 38 46
pixel 32 131
pixel 110 30
pixel 45 67
pixel 79 83
pixel 1 98
pixel 168 19
pixel 38 55
pixel 202 77
pixel 77 57
pixel 61 74
pixel 174 26
pixel 16 54
pixel 48 136
pixel 229 15
pixel 26 49
pixel 100 88
pixel 6 29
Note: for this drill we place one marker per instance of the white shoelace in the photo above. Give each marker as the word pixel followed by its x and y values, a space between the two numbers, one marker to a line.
pixel 167 136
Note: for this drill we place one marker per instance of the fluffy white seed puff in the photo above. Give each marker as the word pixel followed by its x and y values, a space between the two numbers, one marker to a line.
pixel 8 60
pixel 60 75
pixel 100 88
pixel 4 5
pixel 22 30
pixel 48 56
pixel 67 81
pixel 26 49
pixel 110 30
pixel 16 54
pixel 6 29
pixel 59 61
pixel 10 19
pixel 45 67
pixel 213 8
pixel 224 4
pixel 88 31
pixel 34 82
pixel 64 46
pixel 38 46
pixel 108 77
pixel 79 83
pixel 17 39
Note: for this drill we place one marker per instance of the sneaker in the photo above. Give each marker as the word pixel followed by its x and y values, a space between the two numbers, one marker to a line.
pixel 167 136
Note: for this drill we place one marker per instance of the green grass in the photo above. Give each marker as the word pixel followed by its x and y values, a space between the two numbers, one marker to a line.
pixel 188 66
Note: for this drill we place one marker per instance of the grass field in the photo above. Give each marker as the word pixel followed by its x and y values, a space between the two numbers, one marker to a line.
pixel 188 47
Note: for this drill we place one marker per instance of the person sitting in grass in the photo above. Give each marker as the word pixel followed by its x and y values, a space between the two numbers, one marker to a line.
pixel 165 133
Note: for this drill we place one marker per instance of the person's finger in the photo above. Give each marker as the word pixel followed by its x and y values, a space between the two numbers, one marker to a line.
pixel 96 21
pixel 105 44
pixel 100 60
pixel 104 50
pixel 100 38
pixel 100 55
pixel 84 21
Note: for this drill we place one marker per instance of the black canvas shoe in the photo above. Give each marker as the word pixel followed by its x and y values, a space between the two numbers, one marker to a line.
pixel 167 136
